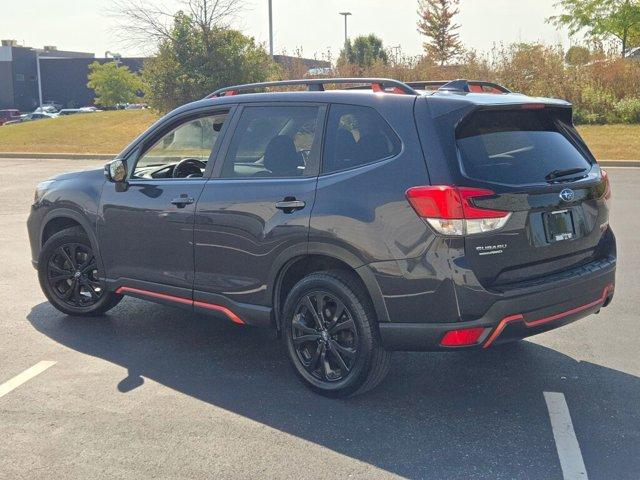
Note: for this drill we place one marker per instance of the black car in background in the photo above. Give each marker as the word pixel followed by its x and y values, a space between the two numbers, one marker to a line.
pixel 386 216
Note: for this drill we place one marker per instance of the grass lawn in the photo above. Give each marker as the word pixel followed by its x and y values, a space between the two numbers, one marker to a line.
pixel 100 132
pixel 110 132
pixel 613 142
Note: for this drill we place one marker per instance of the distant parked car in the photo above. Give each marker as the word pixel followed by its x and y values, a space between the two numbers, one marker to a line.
pixel 46 109
pixel 69 111
pixel 39 116
pixel 316 71
pixel 50 103
pixel 9 115
pixel 89 110
pixel 31 117
pixel 136 106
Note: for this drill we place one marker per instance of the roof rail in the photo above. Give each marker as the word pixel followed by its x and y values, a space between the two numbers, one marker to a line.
pixel 317 85
pixel 459 85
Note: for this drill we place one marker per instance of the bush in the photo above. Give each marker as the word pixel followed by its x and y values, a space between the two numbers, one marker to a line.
pixel 583 117
pixel 595 105
pixel 627 110
pixel 602 87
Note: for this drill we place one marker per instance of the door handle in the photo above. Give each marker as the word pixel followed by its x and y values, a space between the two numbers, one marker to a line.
pixel 182 201
pixel 290 205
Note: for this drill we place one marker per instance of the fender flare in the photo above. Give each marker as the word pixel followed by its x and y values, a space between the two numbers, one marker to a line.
pixel 78 217
pixel 291 255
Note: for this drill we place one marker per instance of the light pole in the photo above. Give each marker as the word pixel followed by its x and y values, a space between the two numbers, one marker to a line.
pixel 270 28
pixel 39 80
pixel 345 15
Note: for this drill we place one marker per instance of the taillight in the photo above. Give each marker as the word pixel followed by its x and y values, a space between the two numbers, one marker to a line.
pixel 606 185
pixel 449 210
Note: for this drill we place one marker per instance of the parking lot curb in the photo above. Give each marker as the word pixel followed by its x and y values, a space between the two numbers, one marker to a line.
pixel 59 156
pixel 619 163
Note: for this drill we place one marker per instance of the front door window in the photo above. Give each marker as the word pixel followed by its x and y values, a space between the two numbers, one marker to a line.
pixel 183 152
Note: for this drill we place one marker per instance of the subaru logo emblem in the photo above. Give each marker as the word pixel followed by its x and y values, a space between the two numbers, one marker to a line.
pixel 567 195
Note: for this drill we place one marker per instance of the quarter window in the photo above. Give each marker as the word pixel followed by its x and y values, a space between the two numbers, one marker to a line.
pixel 277 142
pixel 188 145
pixel 357 136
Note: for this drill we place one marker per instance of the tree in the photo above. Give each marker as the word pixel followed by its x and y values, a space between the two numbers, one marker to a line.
pixel 577 56
pixel 145 21
pixel 436 23
pixel 113 84
pixel 195 60
pixel 364 51
pixel 619 19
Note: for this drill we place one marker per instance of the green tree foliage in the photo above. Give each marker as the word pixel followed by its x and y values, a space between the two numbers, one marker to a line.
pixel 113 84
pixel 365 51
pixel 195 60
pixel 436 23
pixel 619 19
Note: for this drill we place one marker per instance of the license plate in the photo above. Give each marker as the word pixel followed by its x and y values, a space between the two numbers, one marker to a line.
pixel 559 226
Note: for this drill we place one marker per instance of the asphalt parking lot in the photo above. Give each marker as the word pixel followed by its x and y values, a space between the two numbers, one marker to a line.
pixel 152 392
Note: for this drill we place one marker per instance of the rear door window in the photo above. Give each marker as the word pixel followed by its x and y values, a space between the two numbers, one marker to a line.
pixel 517 147
pixel 276 142
pixel 356 136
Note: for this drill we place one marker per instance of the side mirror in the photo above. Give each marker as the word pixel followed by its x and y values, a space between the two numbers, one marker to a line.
pixel 116 171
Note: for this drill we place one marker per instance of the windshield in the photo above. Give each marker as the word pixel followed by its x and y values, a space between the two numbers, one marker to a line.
pixel 517 147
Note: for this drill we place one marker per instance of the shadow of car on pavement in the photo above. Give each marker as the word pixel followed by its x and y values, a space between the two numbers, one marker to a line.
pixel 437 415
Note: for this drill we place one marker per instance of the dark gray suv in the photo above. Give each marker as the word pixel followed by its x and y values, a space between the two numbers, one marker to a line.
pixel 383 216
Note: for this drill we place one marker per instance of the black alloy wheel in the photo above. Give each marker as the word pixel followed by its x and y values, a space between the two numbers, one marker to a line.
pixel 72 274
pixel 331 334
pixel 325 336
pixel 69 274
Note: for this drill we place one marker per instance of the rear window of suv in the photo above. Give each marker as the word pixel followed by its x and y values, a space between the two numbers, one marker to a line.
pixel 516 147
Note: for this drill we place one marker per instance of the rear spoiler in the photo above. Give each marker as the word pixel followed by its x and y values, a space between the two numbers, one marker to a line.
pixel 440 105
pixel 460 85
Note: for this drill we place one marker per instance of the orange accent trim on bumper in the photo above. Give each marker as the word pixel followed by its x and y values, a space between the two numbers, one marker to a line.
pixel 534 323
pixel 186 301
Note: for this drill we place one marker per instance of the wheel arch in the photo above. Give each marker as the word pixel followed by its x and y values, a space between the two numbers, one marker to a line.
pixel 322 257
pixel 62 218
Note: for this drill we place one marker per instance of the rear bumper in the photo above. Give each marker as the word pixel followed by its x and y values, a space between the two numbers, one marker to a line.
pixel 518 316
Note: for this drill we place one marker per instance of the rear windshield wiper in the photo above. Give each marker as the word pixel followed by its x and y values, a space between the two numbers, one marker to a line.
pixel 563 173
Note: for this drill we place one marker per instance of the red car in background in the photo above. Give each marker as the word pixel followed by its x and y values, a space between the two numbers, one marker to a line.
pixel 9 115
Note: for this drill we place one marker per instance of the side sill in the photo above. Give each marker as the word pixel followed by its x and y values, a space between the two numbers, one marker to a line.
pixel 198 302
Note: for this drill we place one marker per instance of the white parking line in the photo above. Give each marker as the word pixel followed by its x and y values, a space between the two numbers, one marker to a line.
pixel 566 442
pixel 25 376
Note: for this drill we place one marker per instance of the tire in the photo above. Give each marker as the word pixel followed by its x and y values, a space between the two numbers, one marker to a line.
pixel 79 294
pixel 334 356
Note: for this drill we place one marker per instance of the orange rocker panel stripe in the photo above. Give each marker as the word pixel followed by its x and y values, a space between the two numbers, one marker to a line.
pixel 186 301
pixel 534 323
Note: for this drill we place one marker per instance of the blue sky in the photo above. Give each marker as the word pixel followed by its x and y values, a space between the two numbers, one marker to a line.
pixel 312 25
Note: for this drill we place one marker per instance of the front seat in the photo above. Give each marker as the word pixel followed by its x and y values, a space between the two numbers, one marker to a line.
pixel 281 158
